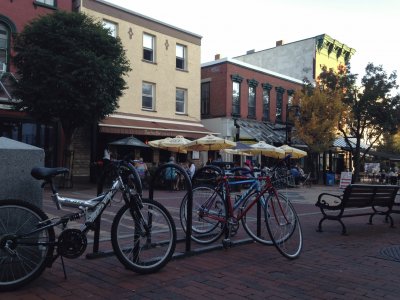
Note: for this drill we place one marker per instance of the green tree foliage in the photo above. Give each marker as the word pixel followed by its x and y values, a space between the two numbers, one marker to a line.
pixel 70 69
pixel 370 109
pixel 318 118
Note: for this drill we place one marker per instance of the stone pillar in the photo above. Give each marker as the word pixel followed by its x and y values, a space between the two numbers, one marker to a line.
pixel 16 161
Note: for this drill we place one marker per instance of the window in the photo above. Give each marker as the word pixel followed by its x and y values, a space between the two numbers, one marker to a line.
pixel 252 99
pixel 4 48
pixel 290 97
pixel 279 103
pixel 205 98
pixel 180 57
pixel 112 27
pixel 180 101
pixel 148 47
pixel 148 95
pixel 266 101
pixel 47 2
pixel 236 80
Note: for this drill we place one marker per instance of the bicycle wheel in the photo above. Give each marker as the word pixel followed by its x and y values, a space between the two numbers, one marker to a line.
pixel 23 256
pixel 144 251
pixel 208 210
pixel 255 220
pixel 283 226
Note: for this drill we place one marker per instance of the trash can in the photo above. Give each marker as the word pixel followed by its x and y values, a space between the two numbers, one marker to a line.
pixel 330 178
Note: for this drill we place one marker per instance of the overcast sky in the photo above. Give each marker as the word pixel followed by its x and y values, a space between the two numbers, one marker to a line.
pixel 231 27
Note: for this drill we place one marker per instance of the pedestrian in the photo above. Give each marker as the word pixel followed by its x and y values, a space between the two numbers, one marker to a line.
pixel 192 168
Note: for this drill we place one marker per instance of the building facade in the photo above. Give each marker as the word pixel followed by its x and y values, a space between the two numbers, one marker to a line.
pixel 301 59
pixel 14 15
pixel 163 95
pixel 246 103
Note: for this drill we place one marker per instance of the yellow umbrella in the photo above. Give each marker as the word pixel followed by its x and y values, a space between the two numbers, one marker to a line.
pixel 166 145
pixel 294 152
pixel 209 142
pixel 176 144
pixel 266 149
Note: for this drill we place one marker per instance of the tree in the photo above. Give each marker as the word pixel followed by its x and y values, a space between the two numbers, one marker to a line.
pixel 70 70
pixel 317 122
pixel 370 109
pixel 318 118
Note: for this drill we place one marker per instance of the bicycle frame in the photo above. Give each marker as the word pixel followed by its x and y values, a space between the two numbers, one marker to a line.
pixel 224 186
pixel 91 209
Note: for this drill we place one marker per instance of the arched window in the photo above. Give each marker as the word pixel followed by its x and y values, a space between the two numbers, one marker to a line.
pixel 4 47
pixel 7 28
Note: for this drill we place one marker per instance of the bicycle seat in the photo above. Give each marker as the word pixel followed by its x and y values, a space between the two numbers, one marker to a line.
pixel 45 173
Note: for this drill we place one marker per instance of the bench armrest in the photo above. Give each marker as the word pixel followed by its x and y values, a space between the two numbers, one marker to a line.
pixel 329 201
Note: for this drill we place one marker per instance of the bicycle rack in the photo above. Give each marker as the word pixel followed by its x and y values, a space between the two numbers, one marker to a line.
pixel 188 247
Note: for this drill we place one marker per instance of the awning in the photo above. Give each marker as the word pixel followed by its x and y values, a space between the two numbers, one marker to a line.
pixel 140 125
pixel 267 132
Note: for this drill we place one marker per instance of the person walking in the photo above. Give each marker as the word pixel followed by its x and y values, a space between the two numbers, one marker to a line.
pixel 192 168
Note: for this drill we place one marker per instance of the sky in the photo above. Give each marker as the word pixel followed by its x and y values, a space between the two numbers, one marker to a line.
pixel 232 27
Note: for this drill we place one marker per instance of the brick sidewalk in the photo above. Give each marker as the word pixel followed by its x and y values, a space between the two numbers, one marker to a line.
pixel 331 266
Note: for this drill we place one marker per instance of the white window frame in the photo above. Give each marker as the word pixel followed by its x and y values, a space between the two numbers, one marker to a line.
pixel 148 47
pixel 180 101
pixel 4 49
pixel 112 27
pixel 181 54
pixel 47 2
pixel 148 95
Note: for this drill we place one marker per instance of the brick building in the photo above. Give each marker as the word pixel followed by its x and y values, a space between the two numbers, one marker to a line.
pixel 19 126
pixel 245 102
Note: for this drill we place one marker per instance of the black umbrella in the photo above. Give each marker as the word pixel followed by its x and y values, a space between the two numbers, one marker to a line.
pixel 129 141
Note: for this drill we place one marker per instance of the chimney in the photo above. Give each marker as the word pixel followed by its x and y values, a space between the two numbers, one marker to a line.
pixel 250 51
pixel 217 56
pixel 279 43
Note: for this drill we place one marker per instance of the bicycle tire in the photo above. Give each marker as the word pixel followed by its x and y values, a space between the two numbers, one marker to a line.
pixel 205 229
pixel 151 252
pixel 256 224
pixel 283 225
pixel 128 173
pixel 28 260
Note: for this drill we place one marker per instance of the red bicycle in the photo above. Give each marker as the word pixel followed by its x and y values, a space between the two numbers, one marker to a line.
pixel 266 215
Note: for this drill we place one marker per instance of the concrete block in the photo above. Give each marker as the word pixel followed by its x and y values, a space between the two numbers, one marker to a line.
pixel 16 161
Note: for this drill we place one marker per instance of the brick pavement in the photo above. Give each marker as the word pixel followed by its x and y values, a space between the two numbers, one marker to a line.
pixel 331 266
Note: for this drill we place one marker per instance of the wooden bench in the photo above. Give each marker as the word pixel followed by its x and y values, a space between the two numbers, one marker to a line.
pixel 380 198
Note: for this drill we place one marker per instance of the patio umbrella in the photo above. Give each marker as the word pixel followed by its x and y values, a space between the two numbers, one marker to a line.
pixel 294 152
pixel 266 149
pixel 209 142
pixel 129 141
pixel 175 144
pixel 157 143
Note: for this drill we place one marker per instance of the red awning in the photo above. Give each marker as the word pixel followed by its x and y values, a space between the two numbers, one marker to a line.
pixel 139 125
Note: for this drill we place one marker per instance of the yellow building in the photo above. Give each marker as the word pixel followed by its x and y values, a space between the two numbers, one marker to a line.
pixel 301 59
pixel 163 95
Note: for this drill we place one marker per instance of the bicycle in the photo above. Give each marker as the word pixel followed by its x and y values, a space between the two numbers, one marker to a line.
pixel 143 233
pixel 214 213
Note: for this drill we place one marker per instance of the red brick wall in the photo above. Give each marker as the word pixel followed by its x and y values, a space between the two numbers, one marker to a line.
pixel 221 89
pixel 21 12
